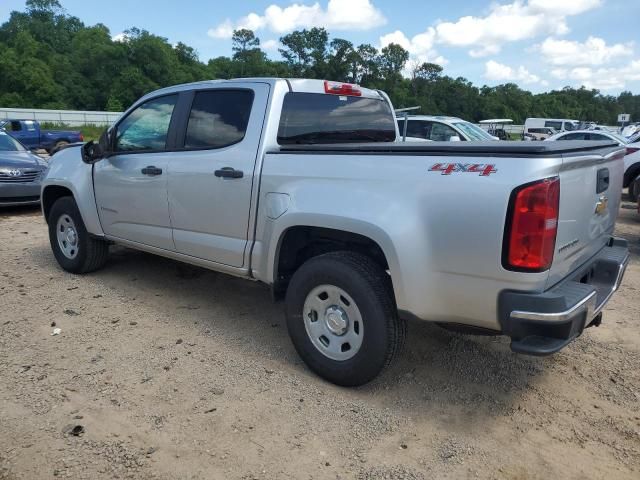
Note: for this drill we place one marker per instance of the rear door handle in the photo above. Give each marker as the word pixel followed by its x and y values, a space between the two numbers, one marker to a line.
pixel 151 171
pixel 229 172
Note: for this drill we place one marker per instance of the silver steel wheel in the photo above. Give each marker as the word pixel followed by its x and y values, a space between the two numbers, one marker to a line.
pixel 333 322
pixel 67 235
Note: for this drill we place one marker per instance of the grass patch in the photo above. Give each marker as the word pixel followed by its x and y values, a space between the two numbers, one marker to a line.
pixel 90 132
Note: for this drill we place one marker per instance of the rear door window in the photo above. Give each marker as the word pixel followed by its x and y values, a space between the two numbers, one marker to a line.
pixel 555 125
pixel 309 118
pixel 415 128
pixel 574 136
pixel 218 118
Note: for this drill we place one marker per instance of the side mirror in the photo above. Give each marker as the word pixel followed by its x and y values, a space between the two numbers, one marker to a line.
pixel 454 138
pixel 93 152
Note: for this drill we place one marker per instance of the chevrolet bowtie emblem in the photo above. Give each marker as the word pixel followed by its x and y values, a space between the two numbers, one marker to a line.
pixel 601 206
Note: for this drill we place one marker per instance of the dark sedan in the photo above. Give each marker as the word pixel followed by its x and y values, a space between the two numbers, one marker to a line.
pixel 20 173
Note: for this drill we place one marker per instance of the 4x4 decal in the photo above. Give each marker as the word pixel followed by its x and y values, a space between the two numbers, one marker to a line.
pixel 483 169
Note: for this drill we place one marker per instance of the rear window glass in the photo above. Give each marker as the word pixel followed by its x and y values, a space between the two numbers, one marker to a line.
pixel 218 118
pixel 309 118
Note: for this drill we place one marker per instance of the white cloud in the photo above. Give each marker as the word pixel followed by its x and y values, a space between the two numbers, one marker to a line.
pixel 338 15
pixel 499 72
pixel 613 78
pixel 270 45
pixel 420 47
pixel 594 51
pixel 510 22
pixel 120 37
pixel 224 30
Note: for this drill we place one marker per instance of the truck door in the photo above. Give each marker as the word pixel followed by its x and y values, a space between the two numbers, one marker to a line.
pixel 131 185
pixel 212 172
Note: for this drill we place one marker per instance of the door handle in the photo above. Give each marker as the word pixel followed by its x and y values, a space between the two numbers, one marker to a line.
pixel 151 171
pixel 229 172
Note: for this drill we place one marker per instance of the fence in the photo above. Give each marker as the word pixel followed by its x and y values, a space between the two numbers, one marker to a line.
pixel 68 117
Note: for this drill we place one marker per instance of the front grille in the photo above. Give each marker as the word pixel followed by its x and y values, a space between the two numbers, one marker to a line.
pixel 28 176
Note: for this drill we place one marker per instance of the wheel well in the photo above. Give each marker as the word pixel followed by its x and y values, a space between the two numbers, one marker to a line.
pixel 50 195
pixel 630 175
pixel 299 244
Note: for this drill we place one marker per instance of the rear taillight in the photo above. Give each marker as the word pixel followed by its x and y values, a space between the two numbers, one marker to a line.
pixel 81 138
pixel 631 150
pixel 532 224
pixel 336 88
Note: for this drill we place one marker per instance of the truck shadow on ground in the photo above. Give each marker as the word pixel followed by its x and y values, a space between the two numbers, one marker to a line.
pixel 436 366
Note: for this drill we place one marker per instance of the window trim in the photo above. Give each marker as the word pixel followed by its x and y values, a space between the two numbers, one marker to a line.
pixel 185 114
pixel 170 140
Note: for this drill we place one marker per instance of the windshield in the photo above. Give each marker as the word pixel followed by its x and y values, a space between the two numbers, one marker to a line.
pixel 619 138
pixel 9 144
pixel 309 118
pixel 473 131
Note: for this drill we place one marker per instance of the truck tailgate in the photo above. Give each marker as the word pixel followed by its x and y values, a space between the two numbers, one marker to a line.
pixel 590 190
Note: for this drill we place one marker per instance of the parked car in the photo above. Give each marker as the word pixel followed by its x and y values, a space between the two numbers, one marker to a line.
pixel 20 173
pixel 558 124
pixel 29 133
pixel 631 159
pixel 269 179
pixel 539 133
pixel 635 138
pixel 441 129
pixel 630 129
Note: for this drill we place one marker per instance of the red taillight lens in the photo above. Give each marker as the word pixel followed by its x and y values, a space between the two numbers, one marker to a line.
pixel 335 88
pixel 631 150
pixel 531 233
pixel 81 138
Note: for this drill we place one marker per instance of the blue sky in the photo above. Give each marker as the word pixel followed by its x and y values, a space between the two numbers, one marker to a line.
pixel 538 44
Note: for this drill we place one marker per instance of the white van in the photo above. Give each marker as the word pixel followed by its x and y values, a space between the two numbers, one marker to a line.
pixel 558 124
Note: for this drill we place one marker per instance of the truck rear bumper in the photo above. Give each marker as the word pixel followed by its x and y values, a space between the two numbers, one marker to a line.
pixel 543 323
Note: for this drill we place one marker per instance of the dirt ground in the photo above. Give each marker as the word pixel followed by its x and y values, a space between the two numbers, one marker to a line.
pixel 175 372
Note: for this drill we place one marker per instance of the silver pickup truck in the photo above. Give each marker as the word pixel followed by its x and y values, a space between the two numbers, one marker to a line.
pixel 301 184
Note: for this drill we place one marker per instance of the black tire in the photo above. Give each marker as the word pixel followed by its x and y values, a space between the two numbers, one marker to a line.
pixel 634 190
pixel 61 145
pixel 370 288
pixel 91 253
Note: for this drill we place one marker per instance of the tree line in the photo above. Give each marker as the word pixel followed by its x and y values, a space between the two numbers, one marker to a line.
pixel 49 59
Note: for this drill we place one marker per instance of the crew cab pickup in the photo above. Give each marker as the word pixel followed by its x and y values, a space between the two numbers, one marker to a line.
pixel 301 184
pixel 29 133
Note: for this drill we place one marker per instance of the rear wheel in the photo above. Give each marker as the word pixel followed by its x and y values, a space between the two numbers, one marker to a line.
pixel 342 318
pixel 59 146
pixel 75 250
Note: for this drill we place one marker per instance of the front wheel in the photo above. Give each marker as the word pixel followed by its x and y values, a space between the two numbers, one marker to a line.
pixel 342 319
pixel 634 190
pixel 75 250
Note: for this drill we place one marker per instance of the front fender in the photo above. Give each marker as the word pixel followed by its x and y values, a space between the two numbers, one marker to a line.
pixel 66 169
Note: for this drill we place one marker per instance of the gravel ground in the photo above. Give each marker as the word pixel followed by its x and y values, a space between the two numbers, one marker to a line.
pixel 166 371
